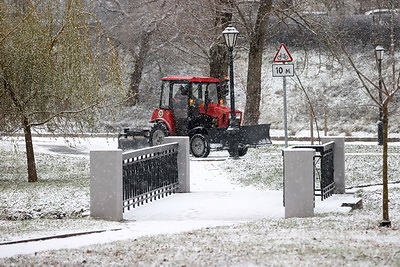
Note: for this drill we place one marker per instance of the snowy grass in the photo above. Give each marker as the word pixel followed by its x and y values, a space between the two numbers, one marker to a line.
pixel 61 198
pixel 62 189
pixel 336 239
pixel 262 167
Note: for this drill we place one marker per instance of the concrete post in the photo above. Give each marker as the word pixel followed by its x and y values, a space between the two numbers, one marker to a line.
pixel 183 161
pixel 106 184
pixel 299 183
pixel 338 162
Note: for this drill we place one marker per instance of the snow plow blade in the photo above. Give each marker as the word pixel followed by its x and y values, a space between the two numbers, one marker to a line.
pixel 249 135
pixel 255 135
pixel 133 139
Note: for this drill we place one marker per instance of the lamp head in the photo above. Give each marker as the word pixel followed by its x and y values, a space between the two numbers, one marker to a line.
pixel 379 51
pixel 230 34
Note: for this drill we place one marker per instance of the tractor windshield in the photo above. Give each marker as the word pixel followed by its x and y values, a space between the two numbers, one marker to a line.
pixel 203 91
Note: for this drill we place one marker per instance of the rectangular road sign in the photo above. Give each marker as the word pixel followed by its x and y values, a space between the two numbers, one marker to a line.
pixel 282 70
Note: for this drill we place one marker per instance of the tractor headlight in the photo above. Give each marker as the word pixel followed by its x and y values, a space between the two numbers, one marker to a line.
pixel 238 116
pixel 215 122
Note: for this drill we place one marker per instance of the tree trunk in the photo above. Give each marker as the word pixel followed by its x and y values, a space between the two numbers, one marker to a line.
pixel 218 51
pixel 218 61
pixel 257 42
pixel 136 76
pixel 385 193
pixel 30 155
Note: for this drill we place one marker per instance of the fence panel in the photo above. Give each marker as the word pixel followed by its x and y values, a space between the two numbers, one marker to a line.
pixel 324 184
pixel 149 174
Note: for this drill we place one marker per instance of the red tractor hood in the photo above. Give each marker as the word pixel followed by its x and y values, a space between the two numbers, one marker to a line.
pixel 222 113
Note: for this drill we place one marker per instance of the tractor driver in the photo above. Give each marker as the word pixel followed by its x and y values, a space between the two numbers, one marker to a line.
pixel 180 109
pixel 179 101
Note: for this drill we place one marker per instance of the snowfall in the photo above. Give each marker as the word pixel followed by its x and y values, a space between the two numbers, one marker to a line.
pixel 218 210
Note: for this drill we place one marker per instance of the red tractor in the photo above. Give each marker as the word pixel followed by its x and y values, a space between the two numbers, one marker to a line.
pixel 193 106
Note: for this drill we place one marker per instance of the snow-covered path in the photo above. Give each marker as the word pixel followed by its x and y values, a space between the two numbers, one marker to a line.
pixel 214 200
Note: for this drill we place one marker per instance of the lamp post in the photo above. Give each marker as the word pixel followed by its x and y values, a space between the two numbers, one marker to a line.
pixel 230 34
pixel 382 123
pixel 379 51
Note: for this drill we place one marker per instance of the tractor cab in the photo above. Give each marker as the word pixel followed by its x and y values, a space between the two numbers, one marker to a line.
pixel 187 103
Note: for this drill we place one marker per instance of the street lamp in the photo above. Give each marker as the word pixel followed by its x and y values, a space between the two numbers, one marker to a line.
pixel 230 35
pixel 379 51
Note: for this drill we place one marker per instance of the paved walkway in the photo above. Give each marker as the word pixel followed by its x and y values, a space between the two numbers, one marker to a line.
pixel 213 197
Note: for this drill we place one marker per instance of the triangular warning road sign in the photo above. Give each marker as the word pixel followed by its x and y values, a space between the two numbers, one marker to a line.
pixel 283 55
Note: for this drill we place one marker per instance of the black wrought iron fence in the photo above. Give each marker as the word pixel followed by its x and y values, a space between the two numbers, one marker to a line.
pixel 149 174
pixel 324 184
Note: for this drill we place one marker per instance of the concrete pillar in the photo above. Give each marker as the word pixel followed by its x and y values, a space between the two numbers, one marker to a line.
pixel 106 184
pixel 299 182
pixel 183 161
pixel 338 162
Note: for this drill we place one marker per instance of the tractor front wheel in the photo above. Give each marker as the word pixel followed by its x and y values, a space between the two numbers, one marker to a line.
pixel 157 134
pixel 242 150
pixel 199 146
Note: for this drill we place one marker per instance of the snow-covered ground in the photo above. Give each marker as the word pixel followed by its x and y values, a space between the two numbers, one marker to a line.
pixel 237 224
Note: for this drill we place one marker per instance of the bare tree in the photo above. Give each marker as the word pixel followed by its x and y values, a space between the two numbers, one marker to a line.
pixel 382 94
pixel 134 25
pixel 383 104
pixel 256 33
pixel 213 16
pixel 218 52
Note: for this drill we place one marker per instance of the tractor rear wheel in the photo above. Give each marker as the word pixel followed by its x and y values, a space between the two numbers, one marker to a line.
pixel 199 146
pixel 157 134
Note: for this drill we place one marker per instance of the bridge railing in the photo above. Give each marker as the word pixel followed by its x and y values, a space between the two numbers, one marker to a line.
pixel 312 170
pixel 149 174
pixel 324 184
pixel 120 181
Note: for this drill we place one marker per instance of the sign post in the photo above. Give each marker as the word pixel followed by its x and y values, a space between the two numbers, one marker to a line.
pixel 283 70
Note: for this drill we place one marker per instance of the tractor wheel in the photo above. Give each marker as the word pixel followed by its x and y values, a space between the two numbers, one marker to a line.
pixel 242 150
pixel 157 134
pixel 199 146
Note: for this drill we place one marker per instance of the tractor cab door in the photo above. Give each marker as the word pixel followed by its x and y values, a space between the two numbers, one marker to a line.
pixel 180 106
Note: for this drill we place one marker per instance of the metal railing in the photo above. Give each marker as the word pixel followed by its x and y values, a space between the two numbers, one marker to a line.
pixel 324 184
pixel 149 174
